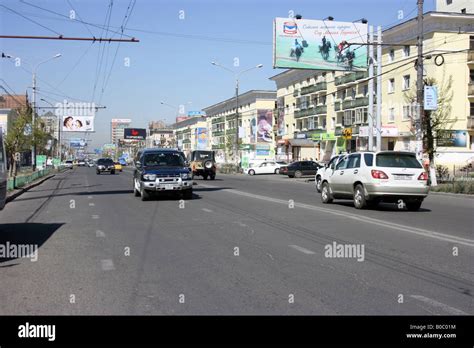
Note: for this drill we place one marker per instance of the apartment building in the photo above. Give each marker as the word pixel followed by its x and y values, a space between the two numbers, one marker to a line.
pixel 255 129
pixel 191 134
pixel 117 126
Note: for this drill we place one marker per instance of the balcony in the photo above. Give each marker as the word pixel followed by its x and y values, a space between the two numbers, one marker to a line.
pixel 337 106
pixel 352 77
pixel 320 86
pixel 217 120
pixel 217 133
pixel 470 90
pixel 321 109
pixel 358 102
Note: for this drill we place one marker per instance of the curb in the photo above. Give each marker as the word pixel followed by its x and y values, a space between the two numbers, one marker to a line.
pixel 22 190
pixel 458 195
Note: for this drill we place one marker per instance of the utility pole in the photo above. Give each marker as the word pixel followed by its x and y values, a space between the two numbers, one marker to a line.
pixel 420 84
pixel 371 90
pixel 379 88
pixel 236 145
pixel 33 121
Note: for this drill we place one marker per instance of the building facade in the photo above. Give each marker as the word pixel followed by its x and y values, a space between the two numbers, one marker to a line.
pixel 191 134
pixel 117 126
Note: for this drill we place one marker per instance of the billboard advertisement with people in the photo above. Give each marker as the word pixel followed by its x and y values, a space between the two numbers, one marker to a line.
pixel 264 126
pixel 316 44
pixel 78 124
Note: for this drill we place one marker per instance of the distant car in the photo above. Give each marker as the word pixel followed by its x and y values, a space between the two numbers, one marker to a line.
pixel 105 165
pixel 81 163
pixel 269 167
pixel 118 166
pixel 69 164
pixel 203 163
pixel 324 170
pixel 300 168
pixel 90 164
pixel 369 178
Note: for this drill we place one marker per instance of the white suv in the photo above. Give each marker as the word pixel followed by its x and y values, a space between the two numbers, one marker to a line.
pixel 369 178
pixel 326 170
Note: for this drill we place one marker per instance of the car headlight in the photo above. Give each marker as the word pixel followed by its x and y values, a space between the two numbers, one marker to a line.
pixel 101 167
pixel 185 176
pixel 149 176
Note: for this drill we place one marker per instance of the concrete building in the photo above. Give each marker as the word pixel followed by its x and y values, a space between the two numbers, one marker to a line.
pixel 256 125
pixel 191 134
pixel 117 125
pixel 324 113
pixel 459 6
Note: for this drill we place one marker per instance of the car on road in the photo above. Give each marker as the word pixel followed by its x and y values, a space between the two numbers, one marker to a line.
pixel 324 170
pixel 118 166
pixel 3 172
pixel 268 167
pixel 69 164
pixel 159 170
pixel 369 178
pixel 300 168
pixel 81 163
pixel 203 163
pixel 105 165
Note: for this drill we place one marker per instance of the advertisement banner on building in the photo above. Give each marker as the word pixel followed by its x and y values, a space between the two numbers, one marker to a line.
pixel 319 45
pixel 264 126
pixel 452 138
pixel 431 98
pixel 262 150
pixel 201 138
pixel 281 127
pixel 134 133
pixel 78 124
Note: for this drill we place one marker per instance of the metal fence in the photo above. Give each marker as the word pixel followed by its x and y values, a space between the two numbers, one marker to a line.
pixel 20 181
pixel 455 173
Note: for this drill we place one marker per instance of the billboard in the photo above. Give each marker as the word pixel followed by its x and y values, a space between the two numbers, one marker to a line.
pixel 77 143
pixel 320 45
pixel 78 124
pixel 264 126
pixel 452 138
pixel 134 133
pixel 201 138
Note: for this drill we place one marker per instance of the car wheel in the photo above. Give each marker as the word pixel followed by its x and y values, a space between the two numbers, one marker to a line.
pixel 112 172
pixel 360 201
pixel 145 195
pixel 213 177
pixel 204 176
pixel 326 196
pixel 414 205
pixel 97 172
pixel 188 194
pixel 251 172
pixel 298 174
pixel 135 191
pixel 277 171
pixel 291 176
pixel 318 184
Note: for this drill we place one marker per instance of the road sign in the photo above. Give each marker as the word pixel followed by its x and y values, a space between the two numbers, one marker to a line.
pixel 347 133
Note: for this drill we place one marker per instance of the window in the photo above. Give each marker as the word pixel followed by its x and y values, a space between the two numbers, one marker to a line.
pixel 391 85
pixel 397 160
pixel 471 42
pixel 472 110
pixel 406 82
pixel 449 2
pixel 471 76
pixel 354 161
pixel 366 90
pixel 343 163
pixel 463 10
pixel 391 55
pixel 391 115
pixel 406 51
pixel 353 92
pixel 369 159
pixel 407 109
pixel 348 117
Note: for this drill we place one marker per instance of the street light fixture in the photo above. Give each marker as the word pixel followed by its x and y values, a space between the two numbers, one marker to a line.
pixel 236 76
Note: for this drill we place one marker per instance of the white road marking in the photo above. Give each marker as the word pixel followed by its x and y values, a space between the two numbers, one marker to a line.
pixel 363 219
pixel 91 204
pixel 95 216
pixel 303 250
pixel 89 197
pixel 107 265
pixel 436 304
pixel 99 234
pixel 207 210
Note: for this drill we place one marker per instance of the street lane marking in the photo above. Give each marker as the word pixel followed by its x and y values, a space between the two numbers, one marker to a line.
pixel 303 250
pixel 363 219
pixel 95 216
pixel 207 210
pixel 434 303
pixel 99 234
pixel 89 197
pixel 91 204
pixel 107 265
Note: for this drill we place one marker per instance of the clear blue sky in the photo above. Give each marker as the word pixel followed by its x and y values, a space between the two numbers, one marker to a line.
pixel 172 64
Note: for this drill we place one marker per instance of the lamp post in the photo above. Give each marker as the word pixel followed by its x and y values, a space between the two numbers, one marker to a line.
pixel 236 76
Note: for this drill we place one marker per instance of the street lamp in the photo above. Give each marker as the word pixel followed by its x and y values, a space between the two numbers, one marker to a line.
pixel 236 76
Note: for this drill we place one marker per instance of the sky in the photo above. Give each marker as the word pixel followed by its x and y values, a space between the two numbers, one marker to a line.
pixel 172 61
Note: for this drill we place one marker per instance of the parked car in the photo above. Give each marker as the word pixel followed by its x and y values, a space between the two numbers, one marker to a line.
pixel 105 165
pixel 369 178
pixel 69 164
pixel 322 172
pixel 203 163
pixel 269 167
pixel 300 168
pixel 3 173
pixel 161 170
pixel 118 166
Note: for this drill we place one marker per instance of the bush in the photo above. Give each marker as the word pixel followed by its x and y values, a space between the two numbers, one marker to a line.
pixel 442 172
pixel 466 187
pixel 228 168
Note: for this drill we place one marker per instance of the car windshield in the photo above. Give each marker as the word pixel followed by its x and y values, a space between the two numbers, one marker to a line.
pixel 162 159
pixel 397 160
pixel 105 162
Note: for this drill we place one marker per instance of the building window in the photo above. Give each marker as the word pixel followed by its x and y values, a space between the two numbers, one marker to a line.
pixel 472 110
pixel 391 55
pixel 471 42
pixel 366 90
pixel 463 10
pixel 353 92
pixel 471 76
pixel 391 85
pixel 449 2
pixel 407 112
pixel 391 115
pixel 347 118
pixel 406 82
pixel 406 51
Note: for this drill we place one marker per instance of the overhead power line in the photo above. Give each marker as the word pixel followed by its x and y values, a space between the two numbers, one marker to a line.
pixel 60 37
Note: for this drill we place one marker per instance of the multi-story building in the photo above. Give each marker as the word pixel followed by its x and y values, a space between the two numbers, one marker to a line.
pixel 324 113
pixel 255 128
pixel 117 125
pixel 191 134
pixel 460 6
pixel 8 106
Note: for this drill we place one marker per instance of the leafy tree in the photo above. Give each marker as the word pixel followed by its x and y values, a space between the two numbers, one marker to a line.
pixel 17 138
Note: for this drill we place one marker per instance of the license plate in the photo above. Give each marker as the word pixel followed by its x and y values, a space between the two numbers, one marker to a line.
pixel 168 186
pixel 402 177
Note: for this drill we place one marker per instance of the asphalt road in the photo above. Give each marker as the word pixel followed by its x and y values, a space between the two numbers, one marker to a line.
pixel 242 245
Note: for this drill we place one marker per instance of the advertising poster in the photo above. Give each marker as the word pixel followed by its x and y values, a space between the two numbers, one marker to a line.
pixel 78 124
pixel 134 133
pixel 452 138
pixel 264 126
pixel 201 138
pixel 319 45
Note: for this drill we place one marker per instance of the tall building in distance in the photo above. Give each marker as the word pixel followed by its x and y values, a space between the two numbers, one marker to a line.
pixel 117 125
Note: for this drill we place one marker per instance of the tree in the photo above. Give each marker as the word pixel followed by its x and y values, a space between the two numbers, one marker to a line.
pixel 18 138
pixel 437 121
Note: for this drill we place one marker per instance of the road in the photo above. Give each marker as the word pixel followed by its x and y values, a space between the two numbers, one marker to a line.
pixel 242 245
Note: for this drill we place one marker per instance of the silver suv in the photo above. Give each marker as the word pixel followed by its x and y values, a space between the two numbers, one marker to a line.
pixel 369 178
pixel 323 172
